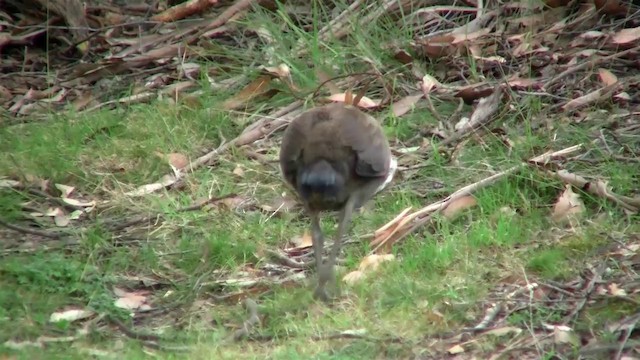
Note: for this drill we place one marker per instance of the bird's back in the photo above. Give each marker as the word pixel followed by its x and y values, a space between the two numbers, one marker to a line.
pixel 330 152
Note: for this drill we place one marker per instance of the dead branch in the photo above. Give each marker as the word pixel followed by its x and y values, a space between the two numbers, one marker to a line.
pixel 24 230
pixel 402 226
pixel 184 10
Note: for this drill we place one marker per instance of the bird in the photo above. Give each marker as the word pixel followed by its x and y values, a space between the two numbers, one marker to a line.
pixel 337 158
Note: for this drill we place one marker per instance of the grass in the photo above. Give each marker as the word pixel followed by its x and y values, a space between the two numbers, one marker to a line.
pixel 443 273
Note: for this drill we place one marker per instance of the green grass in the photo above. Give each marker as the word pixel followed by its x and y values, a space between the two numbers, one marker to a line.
pixel 442 274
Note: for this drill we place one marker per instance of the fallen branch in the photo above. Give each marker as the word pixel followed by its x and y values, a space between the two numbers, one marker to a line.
pixel 257 130
pixel 24 230
pixel 183 10
pixel 406 224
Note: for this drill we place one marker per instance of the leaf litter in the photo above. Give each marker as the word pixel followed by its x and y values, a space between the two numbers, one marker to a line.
pixel 549 60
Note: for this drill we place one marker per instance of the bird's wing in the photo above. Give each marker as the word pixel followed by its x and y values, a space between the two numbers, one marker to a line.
pixel 363 134
pixel 292 142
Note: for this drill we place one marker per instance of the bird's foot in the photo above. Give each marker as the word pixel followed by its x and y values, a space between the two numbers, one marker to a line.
pixel 326 276
pixel 320 293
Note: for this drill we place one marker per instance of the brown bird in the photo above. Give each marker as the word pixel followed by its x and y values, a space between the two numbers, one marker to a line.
pixel 336 158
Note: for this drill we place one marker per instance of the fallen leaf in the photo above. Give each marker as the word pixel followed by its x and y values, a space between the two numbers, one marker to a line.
pixel 178 160
pixel 258 87
pixel 565 336
pixel 463 36
pixel 353 277
pixel 568 206
pixel 456 349
pixel 438 46
pixel 456 206
pixel 61 220
pixel 166 180
pixel 20 345
pixel 131 300
pixel 505 330
pixel 589 98
pixel 70 315
pixel 237 171
pixel 234 202
pixel 302 242
pixel 607 77
pixel 65 189
pixel 75 202
pixel 280 204
pixel 405 104
pixel 54 212
pixel 372 262
pixel 616 291
pixel 367 266
pixel 6 183
pixel 626 36
pixel 429 83
pixel 282 71
pixel 364 102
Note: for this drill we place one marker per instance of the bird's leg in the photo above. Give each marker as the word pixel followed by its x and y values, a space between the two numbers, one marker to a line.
pixel 328 275
pixel 318 247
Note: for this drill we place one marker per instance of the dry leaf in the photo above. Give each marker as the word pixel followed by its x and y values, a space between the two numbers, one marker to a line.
pixel 588 98
pixel 177 160
pixel 616 291
pixel 166 180
pixel 282 71
pixel 372 262
pixel 607 77
pixel 54 212
pixel 405 104
pixel 74 202
pixel 456 349
pixel 280 204
pixel 353 277
pixel 233 202
pixel 568 206
pixel 131 300
pixel 70 315
pixel 502 331
pixel 66 190
pixel 565 336
pixel 364 102
pixel 367 266
pixel 456 206
pixel 302 242
pixel 464 36
pixel 438 46
pixel 260 86
pixel 626 36
pixel 6 183
pixel 428 83
pixel 237 171
pixel 61 220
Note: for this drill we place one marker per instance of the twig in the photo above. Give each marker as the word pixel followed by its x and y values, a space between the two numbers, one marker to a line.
pixel 627 335
pixel 115 225
pixel 25 230
pixel 586 64
pixel 286 261
pixel 495 310
pixel 252 133
pixel 150 340
pixel 183 10
pixel 597 276
pixel 57 200
pixel 404 224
